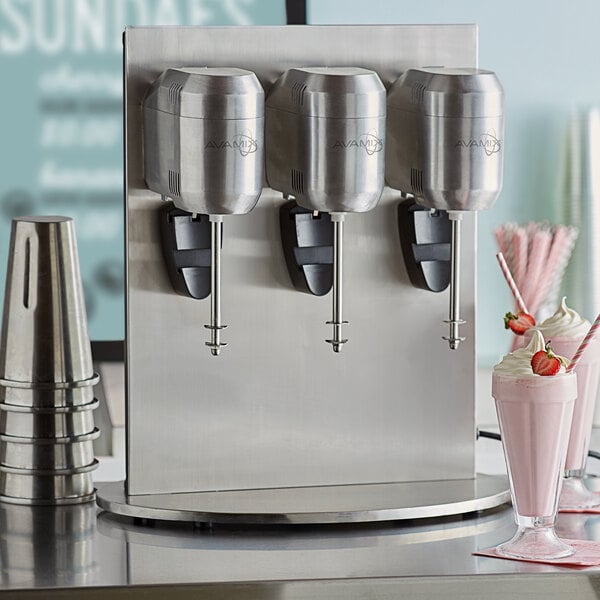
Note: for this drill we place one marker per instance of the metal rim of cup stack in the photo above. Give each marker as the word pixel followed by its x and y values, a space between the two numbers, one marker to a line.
pixel 46 371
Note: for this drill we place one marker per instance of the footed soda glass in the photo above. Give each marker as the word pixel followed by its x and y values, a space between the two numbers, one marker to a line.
pixel 575 495
pixel 535 414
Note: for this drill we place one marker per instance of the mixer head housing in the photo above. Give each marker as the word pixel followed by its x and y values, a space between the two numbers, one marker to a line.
pixel 325 129
pixel 445 134
pixel 204 139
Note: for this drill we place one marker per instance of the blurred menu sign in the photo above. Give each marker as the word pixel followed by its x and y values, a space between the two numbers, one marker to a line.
pixel 61 123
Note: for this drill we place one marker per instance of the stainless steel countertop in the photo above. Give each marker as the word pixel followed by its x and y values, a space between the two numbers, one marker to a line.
pixel 73 547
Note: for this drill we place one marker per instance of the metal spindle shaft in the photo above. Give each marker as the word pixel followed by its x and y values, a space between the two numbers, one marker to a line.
pixel 454 319
pixel 215 283
pixel 337 320
pixel 216 233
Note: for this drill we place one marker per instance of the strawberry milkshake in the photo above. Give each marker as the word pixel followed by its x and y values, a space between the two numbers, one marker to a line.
pixel 566 329
pixel 534 400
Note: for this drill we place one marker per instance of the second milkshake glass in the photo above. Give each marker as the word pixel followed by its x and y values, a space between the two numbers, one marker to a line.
pixel 566 329
pixel 575 495
pixel 535 413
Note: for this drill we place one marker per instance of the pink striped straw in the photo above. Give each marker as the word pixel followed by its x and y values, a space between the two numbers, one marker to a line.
pixel 511 282
pixel 500 235
pixel 589 336
pixel 519 261
pixel 560 242
pixel 538 255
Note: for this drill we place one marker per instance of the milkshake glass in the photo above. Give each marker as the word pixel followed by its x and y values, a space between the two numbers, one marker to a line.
pixel 566 329
pixel 535 414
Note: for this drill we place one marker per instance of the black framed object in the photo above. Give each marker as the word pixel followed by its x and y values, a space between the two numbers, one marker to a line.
pixel 296 12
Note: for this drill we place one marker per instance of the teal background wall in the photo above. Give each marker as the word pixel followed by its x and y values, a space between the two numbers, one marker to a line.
pixel 546 53
pixel 61 124
pixel 60 62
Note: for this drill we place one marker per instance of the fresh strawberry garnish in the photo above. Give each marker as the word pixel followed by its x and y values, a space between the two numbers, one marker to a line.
pixel 518 323
pixel 545 362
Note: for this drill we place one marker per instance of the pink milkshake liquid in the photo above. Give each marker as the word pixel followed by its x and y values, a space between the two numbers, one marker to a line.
pixel 535 414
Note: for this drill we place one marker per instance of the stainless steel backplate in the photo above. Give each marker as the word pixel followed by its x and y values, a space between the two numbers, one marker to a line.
pixel 277 409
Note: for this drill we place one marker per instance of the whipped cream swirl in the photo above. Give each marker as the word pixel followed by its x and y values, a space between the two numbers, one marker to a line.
pixel 518 363
pixel 565 322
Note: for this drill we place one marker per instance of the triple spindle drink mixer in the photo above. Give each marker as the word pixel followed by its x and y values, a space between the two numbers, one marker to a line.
pixel 292 129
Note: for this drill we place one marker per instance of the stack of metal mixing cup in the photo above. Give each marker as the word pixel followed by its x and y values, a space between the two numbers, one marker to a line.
pixel 46 371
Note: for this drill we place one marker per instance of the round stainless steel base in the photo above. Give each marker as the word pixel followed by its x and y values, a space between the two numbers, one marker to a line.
pixel 324 504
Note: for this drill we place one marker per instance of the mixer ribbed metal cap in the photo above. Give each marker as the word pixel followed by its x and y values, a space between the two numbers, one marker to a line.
pixel 448 92
pixel 338 92
pixel 207 92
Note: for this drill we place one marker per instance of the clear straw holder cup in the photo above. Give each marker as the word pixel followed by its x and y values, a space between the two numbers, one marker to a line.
pixel 535 414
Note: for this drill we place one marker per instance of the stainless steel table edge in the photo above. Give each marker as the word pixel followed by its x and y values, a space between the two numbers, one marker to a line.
pixel 546 586
pixel 387 502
